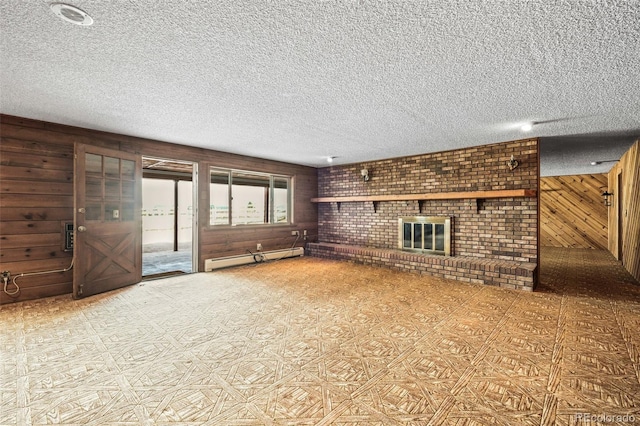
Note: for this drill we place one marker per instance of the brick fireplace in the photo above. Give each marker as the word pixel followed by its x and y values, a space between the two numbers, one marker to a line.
pixel 493 213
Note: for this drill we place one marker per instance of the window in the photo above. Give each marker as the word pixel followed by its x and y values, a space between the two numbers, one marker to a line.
pixel 249 198
pixel 219 197
pixel 281 188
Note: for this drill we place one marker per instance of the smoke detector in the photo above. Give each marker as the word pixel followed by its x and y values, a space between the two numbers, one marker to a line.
pixel 71 14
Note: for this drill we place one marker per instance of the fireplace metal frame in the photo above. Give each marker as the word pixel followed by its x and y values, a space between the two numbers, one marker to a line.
pixel 422 222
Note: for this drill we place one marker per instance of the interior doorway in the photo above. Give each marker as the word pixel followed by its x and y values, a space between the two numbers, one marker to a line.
pixel 168 217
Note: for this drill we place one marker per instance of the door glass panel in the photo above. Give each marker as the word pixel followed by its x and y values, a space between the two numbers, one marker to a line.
pixel 128 169
pixel 104 192
pixel 417 235
pixel 93 163
pixel 428 236
pixel 128 190
pixel 126 215
pixel 112 167
pixel 111 212
pixel 93 187
pixel 112 189
pixel 439 236
pixel 406 231
pixel 93 211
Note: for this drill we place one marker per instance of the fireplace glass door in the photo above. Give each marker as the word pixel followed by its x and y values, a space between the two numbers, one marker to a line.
pixel 425 234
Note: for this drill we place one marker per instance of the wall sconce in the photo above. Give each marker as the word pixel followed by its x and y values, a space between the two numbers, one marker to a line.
pixel 512 163
pixel 365 174
pixel 606 195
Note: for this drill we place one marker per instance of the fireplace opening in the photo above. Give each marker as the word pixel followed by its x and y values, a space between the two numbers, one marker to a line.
pixel 425 234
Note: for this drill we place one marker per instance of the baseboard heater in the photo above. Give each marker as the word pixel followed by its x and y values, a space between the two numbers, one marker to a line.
pixel 243 259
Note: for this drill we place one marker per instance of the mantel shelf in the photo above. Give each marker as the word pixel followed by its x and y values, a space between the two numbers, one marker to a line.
pixel 507 193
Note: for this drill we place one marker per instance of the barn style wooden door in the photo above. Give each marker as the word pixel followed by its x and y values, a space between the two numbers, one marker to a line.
pixel 107 220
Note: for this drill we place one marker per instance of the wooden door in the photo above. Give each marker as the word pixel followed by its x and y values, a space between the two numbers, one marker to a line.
pixel 107 220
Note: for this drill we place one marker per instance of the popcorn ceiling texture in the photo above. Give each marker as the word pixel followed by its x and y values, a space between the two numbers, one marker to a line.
pixel 502 229
pixel 298 81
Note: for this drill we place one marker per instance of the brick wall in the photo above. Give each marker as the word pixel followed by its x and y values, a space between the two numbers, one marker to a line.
pixel 501 229
pixel 473 169
pixel 512 275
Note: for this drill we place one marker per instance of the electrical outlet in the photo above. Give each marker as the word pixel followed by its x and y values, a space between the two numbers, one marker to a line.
pixel 304 232
pixel 259 247
pixel 296 233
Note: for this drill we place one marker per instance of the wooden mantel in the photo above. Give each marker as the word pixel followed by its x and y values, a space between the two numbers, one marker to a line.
pixel 506 193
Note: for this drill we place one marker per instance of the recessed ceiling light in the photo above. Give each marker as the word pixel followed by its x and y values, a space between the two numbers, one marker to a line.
pixel 71 14
pixel 597 163
pixel 526 127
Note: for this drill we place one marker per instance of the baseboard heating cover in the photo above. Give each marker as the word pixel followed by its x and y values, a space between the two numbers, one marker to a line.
pixel 243 259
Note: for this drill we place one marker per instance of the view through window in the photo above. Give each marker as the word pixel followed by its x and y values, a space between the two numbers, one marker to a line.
pixel 249 198
pixel 158 212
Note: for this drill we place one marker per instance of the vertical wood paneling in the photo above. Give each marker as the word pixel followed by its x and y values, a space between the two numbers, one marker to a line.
pixel 36 190
pixel 572 211
pixel 624 213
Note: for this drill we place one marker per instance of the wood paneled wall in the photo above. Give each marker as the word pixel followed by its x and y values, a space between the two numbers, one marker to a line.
pixel 36 199
pixel 624 212
pixel 572 211
pixel 36 189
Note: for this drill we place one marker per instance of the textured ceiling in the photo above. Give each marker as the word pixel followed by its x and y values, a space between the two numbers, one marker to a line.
pixel 298 81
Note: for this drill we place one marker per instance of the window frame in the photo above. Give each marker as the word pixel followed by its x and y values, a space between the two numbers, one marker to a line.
pixel 270 199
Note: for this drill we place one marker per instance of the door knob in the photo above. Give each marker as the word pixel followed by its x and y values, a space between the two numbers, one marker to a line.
pixel 82 228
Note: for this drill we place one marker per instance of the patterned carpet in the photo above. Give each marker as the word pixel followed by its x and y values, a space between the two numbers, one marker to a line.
pixel 309 341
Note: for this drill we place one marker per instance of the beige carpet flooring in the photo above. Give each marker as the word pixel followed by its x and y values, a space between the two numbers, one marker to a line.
pixel 318 342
